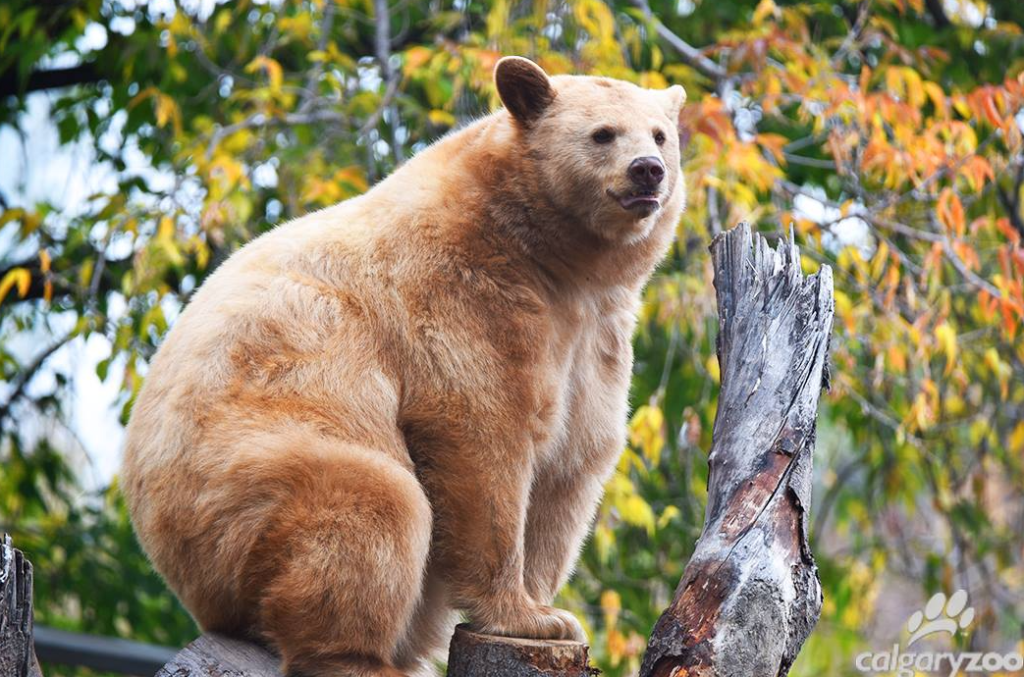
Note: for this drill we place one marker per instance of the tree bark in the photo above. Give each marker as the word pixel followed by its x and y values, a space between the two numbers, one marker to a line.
pixel 17 656
pixel 750 594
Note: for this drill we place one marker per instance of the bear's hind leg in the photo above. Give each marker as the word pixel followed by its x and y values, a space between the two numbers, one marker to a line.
pixel 343 563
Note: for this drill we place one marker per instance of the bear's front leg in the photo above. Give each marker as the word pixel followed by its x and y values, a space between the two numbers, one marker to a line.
pixel 562 507
pixel 482 504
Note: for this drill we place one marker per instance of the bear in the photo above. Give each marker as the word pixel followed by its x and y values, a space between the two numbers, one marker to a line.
pixel 404 407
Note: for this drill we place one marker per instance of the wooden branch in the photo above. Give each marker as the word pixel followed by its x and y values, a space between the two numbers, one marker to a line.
pixel 750 595
pixel 17 656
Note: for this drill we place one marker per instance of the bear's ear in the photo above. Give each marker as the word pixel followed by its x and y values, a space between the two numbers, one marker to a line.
pixel 676 97
pixel 524 88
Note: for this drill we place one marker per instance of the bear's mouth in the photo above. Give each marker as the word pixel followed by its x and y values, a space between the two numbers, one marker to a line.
pixel 639 199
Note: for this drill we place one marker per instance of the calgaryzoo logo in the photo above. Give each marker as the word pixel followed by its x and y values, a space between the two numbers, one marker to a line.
pixel 939 615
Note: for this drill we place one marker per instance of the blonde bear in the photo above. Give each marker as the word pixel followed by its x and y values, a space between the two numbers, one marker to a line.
pixel 405 406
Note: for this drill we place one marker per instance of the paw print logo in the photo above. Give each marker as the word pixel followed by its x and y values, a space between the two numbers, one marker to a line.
pixel 940 615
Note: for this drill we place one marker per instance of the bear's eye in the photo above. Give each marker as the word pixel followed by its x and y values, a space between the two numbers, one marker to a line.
pixel 603 135
pixel 659 137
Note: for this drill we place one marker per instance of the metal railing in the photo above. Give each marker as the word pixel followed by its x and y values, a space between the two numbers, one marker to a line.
pixel 106 654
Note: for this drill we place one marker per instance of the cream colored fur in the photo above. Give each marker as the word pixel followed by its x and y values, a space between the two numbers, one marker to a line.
pixel 406 405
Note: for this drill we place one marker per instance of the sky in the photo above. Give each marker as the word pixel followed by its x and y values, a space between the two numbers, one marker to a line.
pixel 36 168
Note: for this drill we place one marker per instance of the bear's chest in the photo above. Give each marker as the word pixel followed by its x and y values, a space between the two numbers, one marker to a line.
pixel 582 406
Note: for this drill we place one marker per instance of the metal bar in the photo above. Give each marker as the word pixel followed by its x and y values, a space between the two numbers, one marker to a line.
pixel 100 653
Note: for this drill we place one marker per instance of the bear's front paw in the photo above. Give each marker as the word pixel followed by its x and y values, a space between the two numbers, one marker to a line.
pixel 536 622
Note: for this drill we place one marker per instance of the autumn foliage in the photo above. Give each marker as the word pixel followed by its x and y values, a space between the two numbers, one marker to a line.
pixel 886 133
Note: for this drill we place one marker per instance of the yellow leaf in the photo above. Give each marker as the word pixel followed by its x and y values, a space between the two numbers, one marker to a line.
pixel 611 605
pixel 764 8
pixel 441 118
pixel 938 98
pixel 275 74
pixel 946 336
pixel 167 111
pixel 1016 441
pixel 165 231
pixel 653 80
pixel 646 432
pixel 637 512
pixel 714 370
pixel 222 21
pixel 667 515
pixel 16 276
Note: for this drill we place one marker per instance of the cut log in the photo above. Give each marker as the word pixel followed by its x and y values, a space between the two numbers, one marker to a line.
pixel 750 594
pixel 474 655
pixel 17 656
pixel 213 655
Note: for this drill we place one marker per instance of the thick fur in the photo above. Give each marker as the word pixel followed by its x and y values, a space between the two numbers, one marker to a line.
pixel 406 405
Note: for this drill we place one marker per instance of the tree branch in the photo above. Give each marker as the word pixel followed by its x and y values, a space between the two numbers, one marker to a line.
pixel 48 79
pixel 382 44
pixel 689 54
pixel 26 374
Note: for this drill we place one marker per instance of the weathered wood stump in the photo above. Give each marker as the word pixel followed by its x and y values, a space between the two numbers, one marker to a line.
pixel 17 656
pixel 750 595
pixel 475 655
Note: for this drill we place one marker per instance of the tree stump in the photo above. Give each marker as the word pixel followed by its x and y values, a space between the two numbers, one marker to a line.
pixel 475 655
pixel 750 594
pixel 17 655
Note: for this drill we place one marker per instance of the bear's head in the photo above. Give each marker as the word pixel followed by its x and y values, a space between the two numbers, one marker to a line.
pixel 605 151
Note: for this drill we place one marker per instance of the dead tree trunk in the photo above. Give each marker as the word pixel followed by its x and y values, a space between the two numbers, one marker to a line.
pixel 17 656
pixel 750 594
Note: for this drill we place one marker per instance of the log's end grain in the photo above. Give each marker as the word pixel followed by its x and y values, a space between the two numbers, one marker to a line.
pixel 476 655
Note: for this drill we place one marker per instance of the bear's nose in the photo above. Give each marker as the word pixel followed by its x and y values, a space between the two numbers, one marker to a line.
pixel 646 171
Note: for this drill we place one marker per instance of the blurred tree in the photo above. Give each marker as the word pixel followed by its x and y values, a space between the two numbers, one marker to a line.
pixel 887 132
